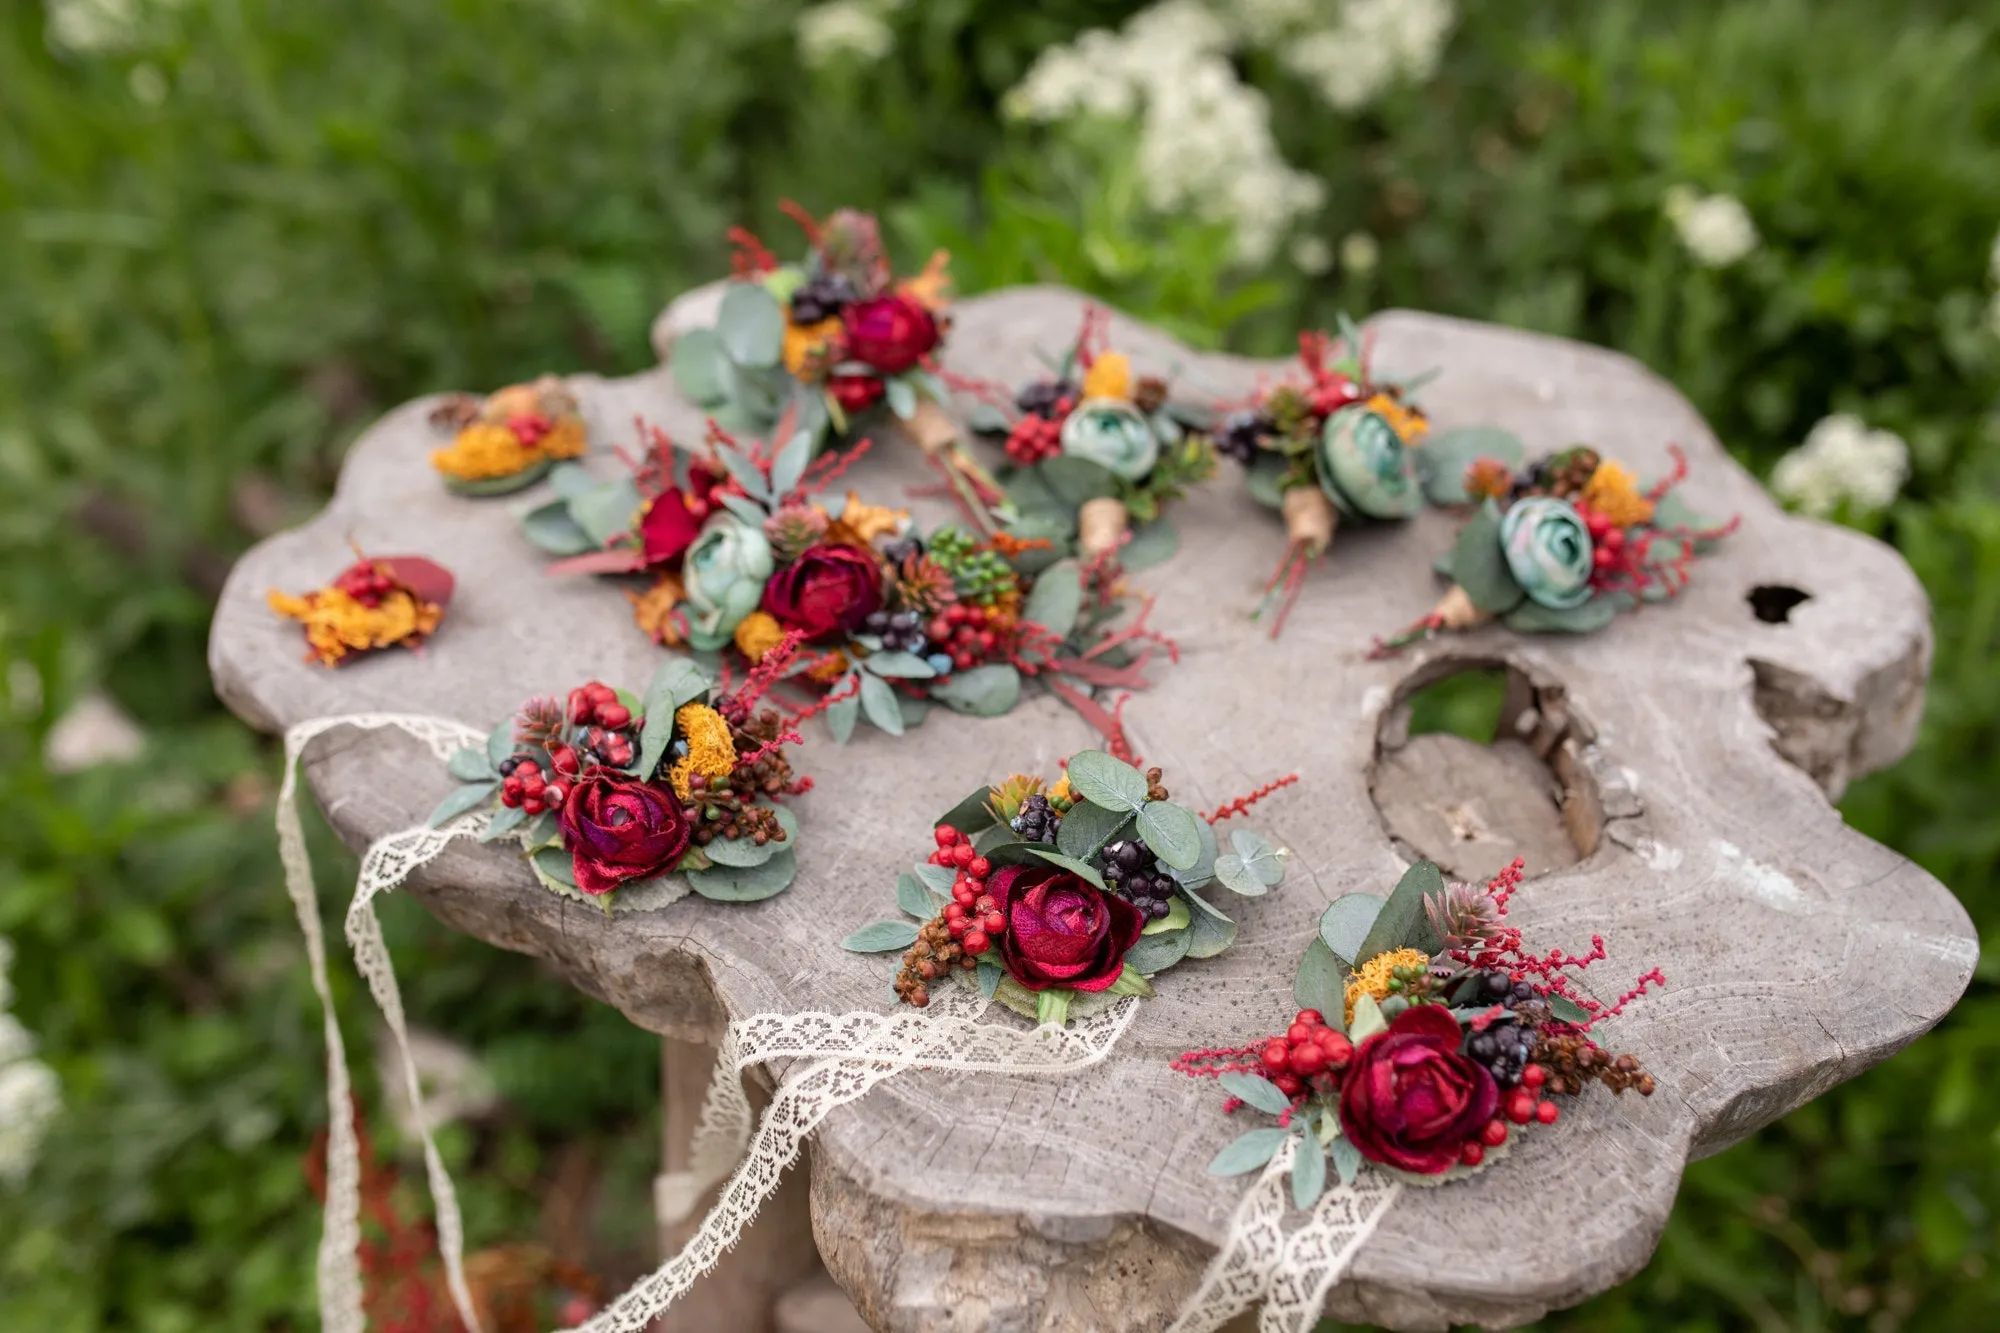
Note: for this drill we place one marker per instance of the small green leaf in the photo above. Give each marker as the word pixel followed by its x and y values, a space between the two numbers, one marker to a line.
pixel 1111 783
pixel 751 326
pixel 699 366
pixel 510 818
pixel 1479 563
pixel 1152 544
pixel 990 977
pixel 1258 854
pixel 1056 600
pixel 745 852
pixel 1308 1172
pixel 1026 853
pixel 557 864
pixel 1585 618
pixel 1210 932
pixel 914 898
pixel 878 701
pixel 471 765
pixel 1177 916
pixel 972 814
pixel 901 396
pixel 898 666
pixel 1052 1006
pixel 1264 479
pixel 1344 926
pixel 1131 982
pixel 842 712
pixel 982 691
pixel 790 464
pixel 1232 874
pixel 1203 871
pixel 937 880
pixel 1249 1152
pixel 1403 923
pixel 677 682
pixel 1318 984
pixel 1368 1019
pixel 551 529
pixel 1566 1009
pixel 1086 829
pixel 1257 1090
pixel 1154 954
pixel 607 510
pixel 746 884
pixel 500 743
pixel 881 937
pixel 1172 832
pixel 461 799
pixel 1346 1159
pixel 1443 457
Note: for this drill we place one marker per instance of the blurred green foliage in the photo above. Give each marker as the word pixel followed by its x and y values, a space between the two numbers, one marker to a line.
pixel 229 245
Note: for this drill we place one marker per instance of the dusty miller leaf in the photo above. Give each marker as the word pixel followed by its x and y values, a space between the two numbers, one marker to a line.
pixel 881 937
pixel 1257 1090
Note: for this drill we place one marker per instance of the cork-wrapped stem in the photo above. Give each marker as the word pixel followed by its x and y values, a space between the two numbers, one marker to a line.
pixel 1101 525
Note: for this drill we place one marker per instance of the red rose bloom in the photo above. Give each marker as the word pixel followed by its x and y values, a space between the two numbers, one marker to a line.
pixel 1410 1100
pixel 618 829
pixel 668 528
pixel 1061 930
pixel 828 591
pixel 890 333
pixel 855 393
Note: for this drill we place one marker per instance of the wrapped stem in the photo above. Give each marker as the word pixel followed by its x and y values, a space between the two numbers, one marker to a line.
pixel 1309 519
pixel 1101 526
pixel 935 434
pixel 1454 611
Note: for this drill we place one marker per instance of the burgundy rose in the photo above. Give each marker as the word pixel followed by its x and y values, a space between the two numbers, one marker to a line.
pixel 889 333
pixel 1410 1100
pixel 668 528
pixel 1061 930
pixel 855 393
pixel 829 590
pixel 619 829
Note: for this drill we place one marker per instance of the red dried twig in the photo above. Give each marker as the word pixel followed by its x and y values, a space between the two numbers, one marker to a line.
pixel 736 704
pixel 748 258
pixel 807 222
pixel 828 468
pixel 812 710
pixel 1655 977
pixel 1228 809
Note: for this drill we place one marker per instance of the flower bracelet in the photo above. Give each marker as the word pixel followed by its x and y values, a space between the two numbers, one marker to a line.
pixel 375 603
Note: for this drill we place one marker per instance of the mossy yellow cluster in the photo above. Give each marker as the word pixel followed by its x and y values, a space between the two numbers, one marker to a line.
pixel 1614 492
pixel 1109 376
pixel 806 344
pixel 758 634
pixel 653 609
pixel 1408 422
pixel 336 624
pixel 710 751
pixel 1373 977
pixel 487 450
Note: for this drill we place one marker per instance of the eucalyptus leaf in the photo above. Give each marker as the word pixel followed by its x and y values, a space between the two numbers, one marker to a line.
pixel 698 364
pixel 1056 600
pixel 914 898
pixel 790 464
pixel 1566 1009
pixel 1232 874
pixel 1152 544
pixel 500 743
pixel 878 701
pixel 988 419
pixel 1345 924
pixel 936 880
pixel 881 937
pixel 470 765
pixel 1203 871
pixel 1087 828
pixel 1173 833
pixel 990 977
pixel 1258 854
pixel 751 325
pixel 982 691
pixel 1587 617
pixel 1256 1090
pixel 1479 563
pixel 1319 984
pixel 557 864
pixel 1074 481
pixel 1249 1152
pixel 842 712
pixel 1131 981
pixel 551 529
pixel 1264 479
pixel 1444 456
pixel 506 821
pixel 898 666
pixel 972 814
pixel 1027 853
pixel 570 480
pixel 1209 932
pixel 1154 954
pixel 1402 922
pixel 676 682
pixel 460 800
pixel 1346 1159
pixel 1368 1019
pixel 746 884
pixel 746 852
pixel 607 510
pixel 1308 1172
pixel 901 396
pixel 542 831
pixel 1111 783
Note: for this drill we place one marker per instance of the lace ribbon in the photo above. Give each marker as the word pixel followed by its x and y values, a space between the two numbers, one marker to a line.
pixel 849 1055
pixel 1290 1269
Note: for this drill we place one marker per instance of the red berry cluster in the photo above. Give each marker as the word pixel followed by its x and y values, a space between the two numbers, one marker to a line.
pixel 1331 392
pixel 609 747
pixel 1036 437
pixel 530 428
pixel 525 786
pixel 366 582
pixel 1607 540
pixel 597 703
pixel 1308 1058
pixel 1520 1105
pixel 971 634
pixel 972 917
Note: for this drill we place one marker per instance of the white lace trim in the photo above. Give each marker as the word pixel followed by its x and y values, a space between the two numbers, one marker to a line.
pixel 848 1055
pixel 1290 1268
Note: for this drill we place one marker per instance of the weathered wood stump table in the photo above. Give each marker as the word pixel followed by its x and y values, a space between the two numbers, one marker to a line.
pixel 1668 778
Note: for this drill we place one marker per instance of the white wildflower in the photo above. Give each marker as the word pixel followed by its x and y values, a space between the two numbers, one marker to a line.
pixel 1359 253
pixel 1311 255
pixel 105 27
pixel 1843 462
pixel 1715 228
pixel 148 84
pixel 94 731
pixel 1373 45
pixel 30 1092
pixel 841 30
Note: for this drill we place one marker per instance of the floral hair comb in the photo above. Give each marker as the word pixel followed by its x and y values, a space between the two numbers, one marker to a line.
pixel 377 602
pixel 508 440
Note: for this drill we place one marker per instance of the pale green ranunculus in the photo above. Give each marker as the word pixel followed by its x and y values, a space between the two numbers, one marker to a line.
pixel 1548 551
pixel 1113 434
pixel 1364 466
pixel 724 573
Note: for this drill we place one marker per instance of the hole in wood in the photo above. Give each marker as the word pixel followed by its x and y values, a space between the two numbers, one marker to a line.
pixel 1476 763
pixel 1773 602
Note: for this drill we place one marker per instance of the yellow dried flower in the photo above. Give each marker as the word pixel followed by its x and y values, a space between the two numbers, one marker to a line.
pixel 757 634
pixel 806 343
pixel 1488 479
pixel 1409 422
pixel 931 289
pixel 1060 796
pixel 483 451
pixel 710 751
pixel 336 624
pixel 1109 376
pixel 828 669
pixel 1614 492
pixel 1373 976
pixel 865 522
pixel 653 609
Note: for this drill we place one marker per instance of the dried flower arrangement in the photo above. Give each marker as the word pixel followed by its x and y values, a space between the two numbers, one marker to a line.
pixel 377 602
pixel 1562 545
pixel 829 339
pixel 1341 442
pixel 743 552
pixel 1427 1039
pixel 1048 896
pixel 508 440
pixel 610 793
pixel 1094 450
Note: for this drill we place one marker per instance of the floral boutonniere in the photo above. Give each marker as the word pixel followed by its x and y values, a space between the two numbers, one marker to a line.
pixel 611 793
pixel 1095 450
pixel 1048 897
pixel 377 602
pixel 1563 545
pixel 508 440
pixel 1340 441
pixel 1428 1039
pixel 829 340
pixel 743 551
